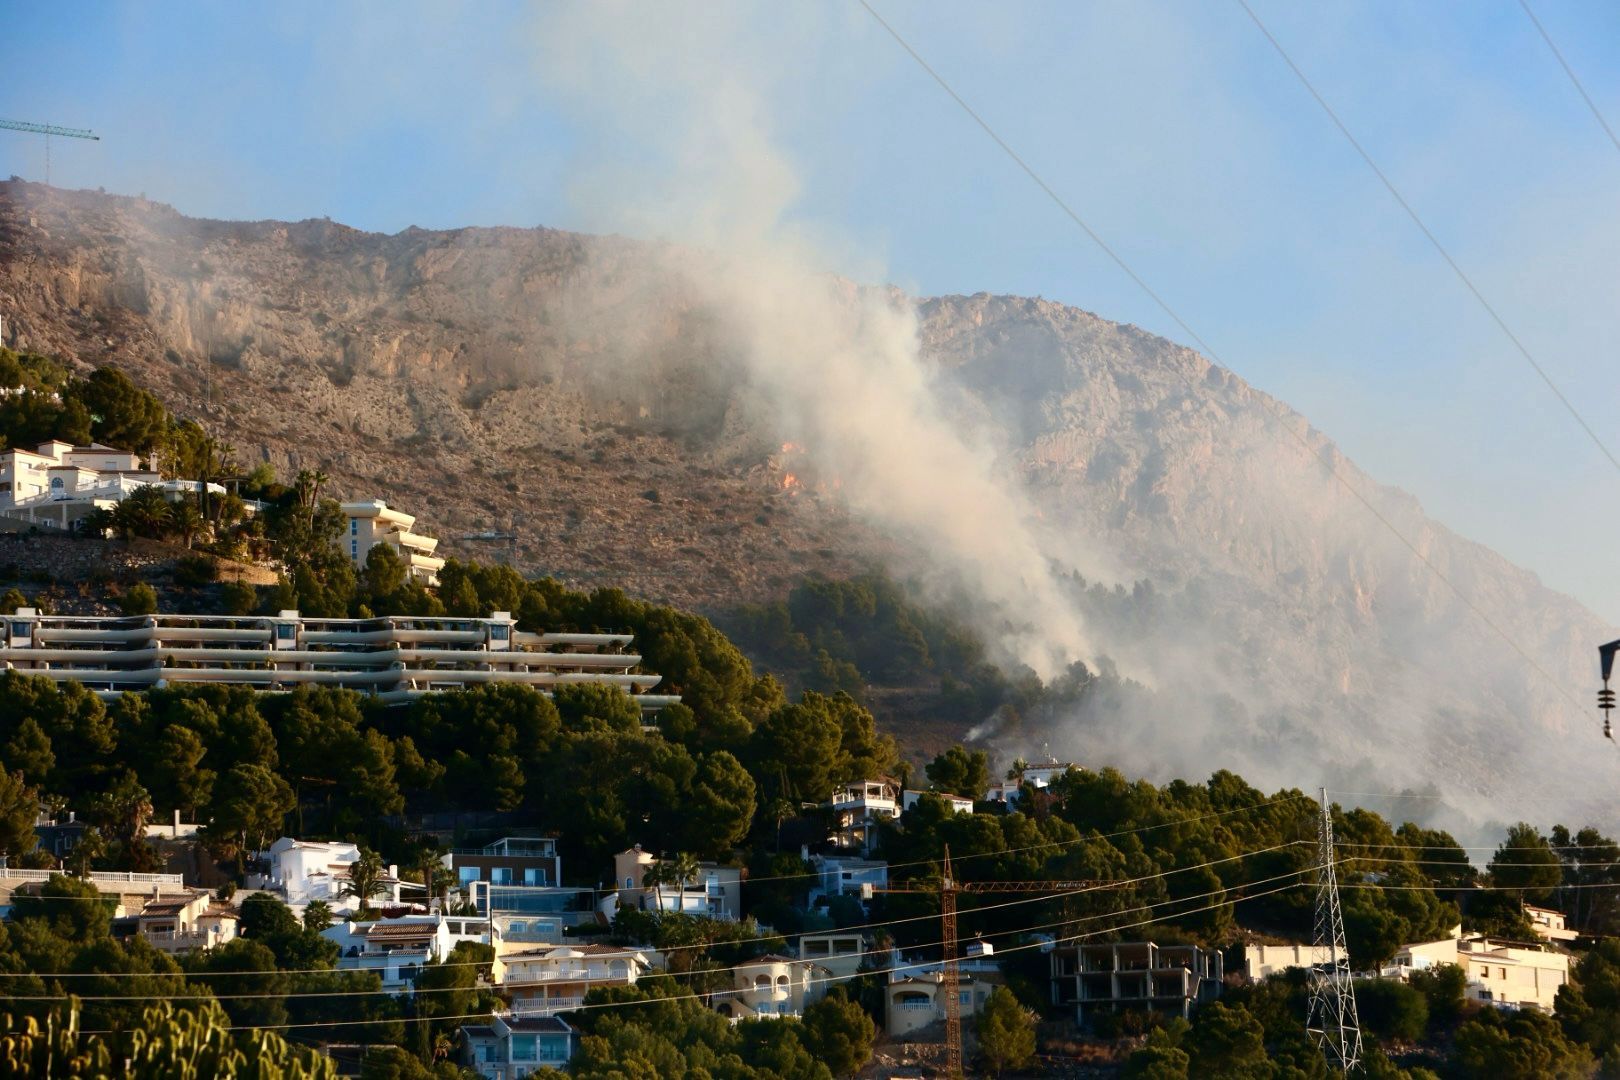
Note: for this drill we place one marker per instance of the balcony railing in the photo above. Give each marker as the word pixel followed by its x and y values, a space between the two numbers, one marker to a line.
pixel 546 1006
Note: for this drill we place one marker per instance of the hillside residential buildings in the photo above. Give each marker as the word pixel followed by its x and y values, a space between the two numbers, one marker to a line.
pixel 553 979
pixel 841 952
pixel 771 986
pixel 307 870
pixel 959 804
pixel 395 659
pixel 397 949
pixel 716 891
pixel 184 923
pixel 1549 925
pixel 1134 975
pixel 857 809
pixel 57 483
pixel 374 522
pixel 913 1000
pixel 511 1047
pixel 1038 775
pixel 1507 974
pixel 1264 961
pixel 847 875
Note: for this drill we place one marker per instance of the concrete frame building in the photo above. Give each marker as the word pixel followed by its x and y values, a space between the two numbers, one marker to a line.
pixel 395 658
pixel 1139 975
pixel 374 522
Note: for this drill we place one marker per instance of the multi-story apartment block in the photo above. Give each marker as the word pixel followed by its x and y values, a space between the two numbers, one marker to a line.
pixel 396 659
pixel 1134 975
pixel 374 522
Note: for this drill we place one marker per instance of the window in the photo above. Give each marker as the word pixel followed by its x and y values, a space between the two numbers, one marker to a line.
pixel 534 875
pixel 467 874
pixel 19 629
pixel 354 548
pixel 500 875
pixel 285 631
pixel 627 884
pixel 1484 995
pixel 1501 973
pixel 499 632
pixel 554 1048
pixel 523 1048
pixel 354 526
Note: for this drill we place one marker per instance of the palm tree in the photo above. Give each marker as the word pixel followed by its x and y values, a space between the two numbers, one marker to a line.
pixel 656 875
pixel 683 869
pixel 308 485
pixel 187 520
pixel 144 513
pixel 365 879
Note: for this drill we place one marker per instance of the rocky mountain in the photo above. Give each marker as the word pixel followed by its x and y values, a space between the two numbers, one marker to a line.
pixel 1288 631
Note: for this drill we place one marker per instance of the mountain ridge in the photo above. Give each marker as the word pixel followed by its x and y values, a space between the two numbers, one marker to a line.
pixel 502 364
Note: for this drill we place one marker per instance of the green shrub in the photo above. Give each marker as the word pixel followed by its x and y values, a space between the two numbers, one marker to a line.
pixel 192 571
pixel 139 600
pixel 239 598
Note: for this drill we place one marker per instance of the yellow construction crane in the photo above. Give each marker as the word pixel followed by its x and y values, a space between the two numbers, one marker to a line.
pixel 947 889
pixel 48 130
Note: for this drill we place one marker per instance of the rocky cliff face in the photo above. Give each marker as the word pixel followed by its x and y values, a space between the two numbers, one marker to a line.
pixel 456 374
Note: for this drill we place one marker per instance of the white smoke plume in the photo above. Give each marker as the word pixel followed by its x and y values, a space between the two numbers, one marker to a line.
pixel 838 367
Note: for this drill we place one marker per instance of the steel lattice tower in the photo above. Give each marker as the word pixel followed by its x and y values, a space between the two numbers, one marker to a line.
pixel 1332 1021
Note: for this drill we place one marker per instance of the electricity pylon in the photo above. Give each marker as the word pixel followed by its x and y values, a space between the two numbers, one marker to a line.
pixel 1332 1020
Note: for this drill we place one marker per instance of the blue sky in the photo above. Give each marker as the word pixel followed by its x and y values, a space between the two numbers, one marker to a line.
pixel 1171 127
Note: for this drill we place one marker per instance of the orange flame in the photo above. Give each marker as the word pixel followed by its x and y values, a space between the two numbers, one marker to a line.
pixel 790 482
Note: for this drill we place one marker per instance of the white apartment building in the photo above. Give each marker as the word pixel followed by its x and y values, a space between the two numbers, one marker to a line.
pixel 398 949
pixel 1509 975
pixel 554 979
pixel 396 659
pixel 716 891
pixel 373 522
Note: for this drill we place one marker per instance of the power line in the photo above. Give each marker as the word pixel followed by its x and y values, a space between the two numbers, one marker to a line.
pixel 1573 79
pixel 878 925
pixel 710 996
pixel 1434 241
pixel 1272 407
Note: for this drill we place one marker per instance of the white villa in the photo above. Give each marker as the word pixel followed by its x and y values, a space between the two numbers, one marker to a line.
pixel 1549 924
pixel 56 483
pixel 771 986
pixel 859 806
pixel 183 923
pixel 396 658
pixel 397 949
pixel 1509 975
pixel 307 870
pixel 847 875
pixel 373 522
pixel 716 891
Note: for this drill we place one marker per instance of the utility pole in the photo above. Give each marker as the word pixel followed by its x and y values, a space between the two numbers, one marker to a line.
pixel 1332 1020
